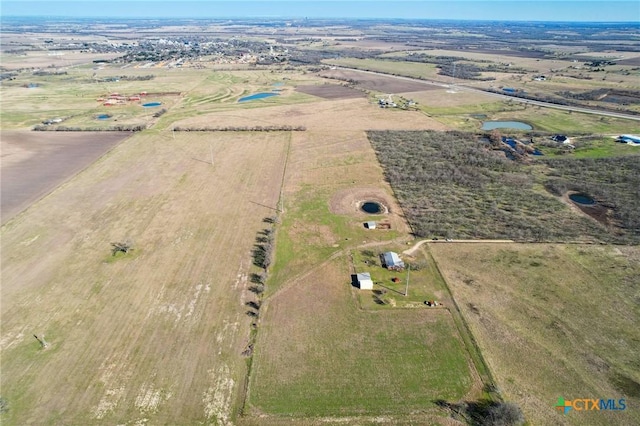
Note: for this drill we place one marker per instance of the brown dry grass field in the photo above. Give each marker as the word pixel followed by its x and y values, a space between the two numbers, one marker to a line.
pixel 553 321
pixel 377 82
pixel 155 335
pixel 331 91
pixel 35 163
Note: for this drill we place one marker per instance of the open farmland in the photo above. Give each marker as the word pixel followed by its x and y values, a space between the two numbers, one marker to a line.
pixel 324 352
pixel 377 82
pixel 154 334
pixel 33 164
pixel 236 304
pixel 553 321
pixel 330 91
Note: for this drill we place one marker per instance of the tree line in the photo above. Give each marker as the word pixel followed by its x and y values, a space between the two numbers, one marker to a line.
pixel 242 129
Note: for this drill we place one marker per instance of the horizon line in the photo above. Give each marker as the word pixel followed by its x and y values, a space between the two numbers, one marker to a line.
pixel 284 17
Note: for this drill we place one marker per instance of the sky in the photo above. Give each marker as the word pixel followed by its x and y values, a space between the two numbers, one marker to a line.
pixel 513 10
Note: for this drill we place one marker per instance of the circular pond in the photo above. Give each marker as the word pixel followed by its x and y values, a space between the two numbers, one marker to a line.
pixel 582 199
pixel 371 207
pixel 151 104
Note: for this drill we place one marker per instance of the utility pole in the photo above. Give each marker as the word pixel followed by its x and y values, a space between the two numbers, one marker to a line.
pixel 211 149
pixel 406 290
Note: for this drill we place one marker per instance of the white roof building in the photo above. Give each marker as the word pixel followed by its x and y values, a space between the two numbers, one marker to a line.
pixel 364 281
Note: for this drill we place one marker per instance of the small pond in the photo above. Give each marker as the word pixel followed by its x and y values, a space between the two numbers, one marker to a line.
pixel 103 117
pixel 257 96
pixel 491 125
pixel 582 199
pixel 371 207
pixel 151 104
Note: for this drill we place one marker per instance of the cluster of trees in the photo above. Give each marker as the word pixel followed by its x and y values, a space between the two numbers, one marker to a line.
pixel 609 95
pixel 263 250
pixel 262 257
pixel 160 113
pixel 560 99
pixel 485 412
pixel 242 129
pixel 453 186
pixel 137 77
pixel 613 182
pixel 463 71
pixel 42 73
pixel 117 128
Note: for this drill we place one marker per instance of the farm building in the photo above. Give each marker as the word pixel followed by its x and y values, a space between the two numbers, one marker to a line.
pixel 370 225
pixel 364 281
pixel 391 260
pixel 560 138
pixel 629 139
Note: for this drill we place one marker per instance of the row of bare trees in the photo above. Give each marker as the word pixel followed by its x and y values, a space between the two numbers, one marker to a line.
pixel 262 257
pixel 242 129
pixel 118 128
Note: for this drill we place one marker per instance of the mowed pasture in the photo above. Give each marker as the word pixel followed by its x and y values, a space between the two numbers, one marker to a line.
pixel 154 335
pixel 35 163
pixel 319 356
pixel 553 321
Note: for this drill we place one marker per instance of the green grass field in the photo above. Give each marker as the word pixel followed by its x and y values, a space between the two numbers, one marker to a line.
pixel 319 355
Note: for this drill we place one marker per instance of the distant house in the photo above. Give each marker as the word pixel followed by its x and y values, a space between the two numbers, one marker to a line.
pixel 391 260
pixel 364 281
pixel 370 225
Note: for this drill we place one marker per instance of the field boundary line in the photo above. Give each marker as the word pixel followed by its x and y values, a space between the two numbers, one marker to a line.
pixel 244 391
pixel 468 338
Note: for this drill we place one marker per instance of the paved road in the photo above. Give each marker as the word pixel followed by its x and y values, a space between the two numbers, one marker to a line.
pixel 505 97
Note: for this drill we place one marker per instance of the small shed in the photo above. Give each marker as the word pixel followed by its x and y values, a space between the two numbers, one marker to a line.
pixel 370 225
pixel 364 281
pixel 392 260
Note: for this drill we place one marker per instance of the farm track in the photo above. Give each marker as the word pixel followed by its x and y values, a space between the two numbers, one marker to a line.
pixel 416 246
